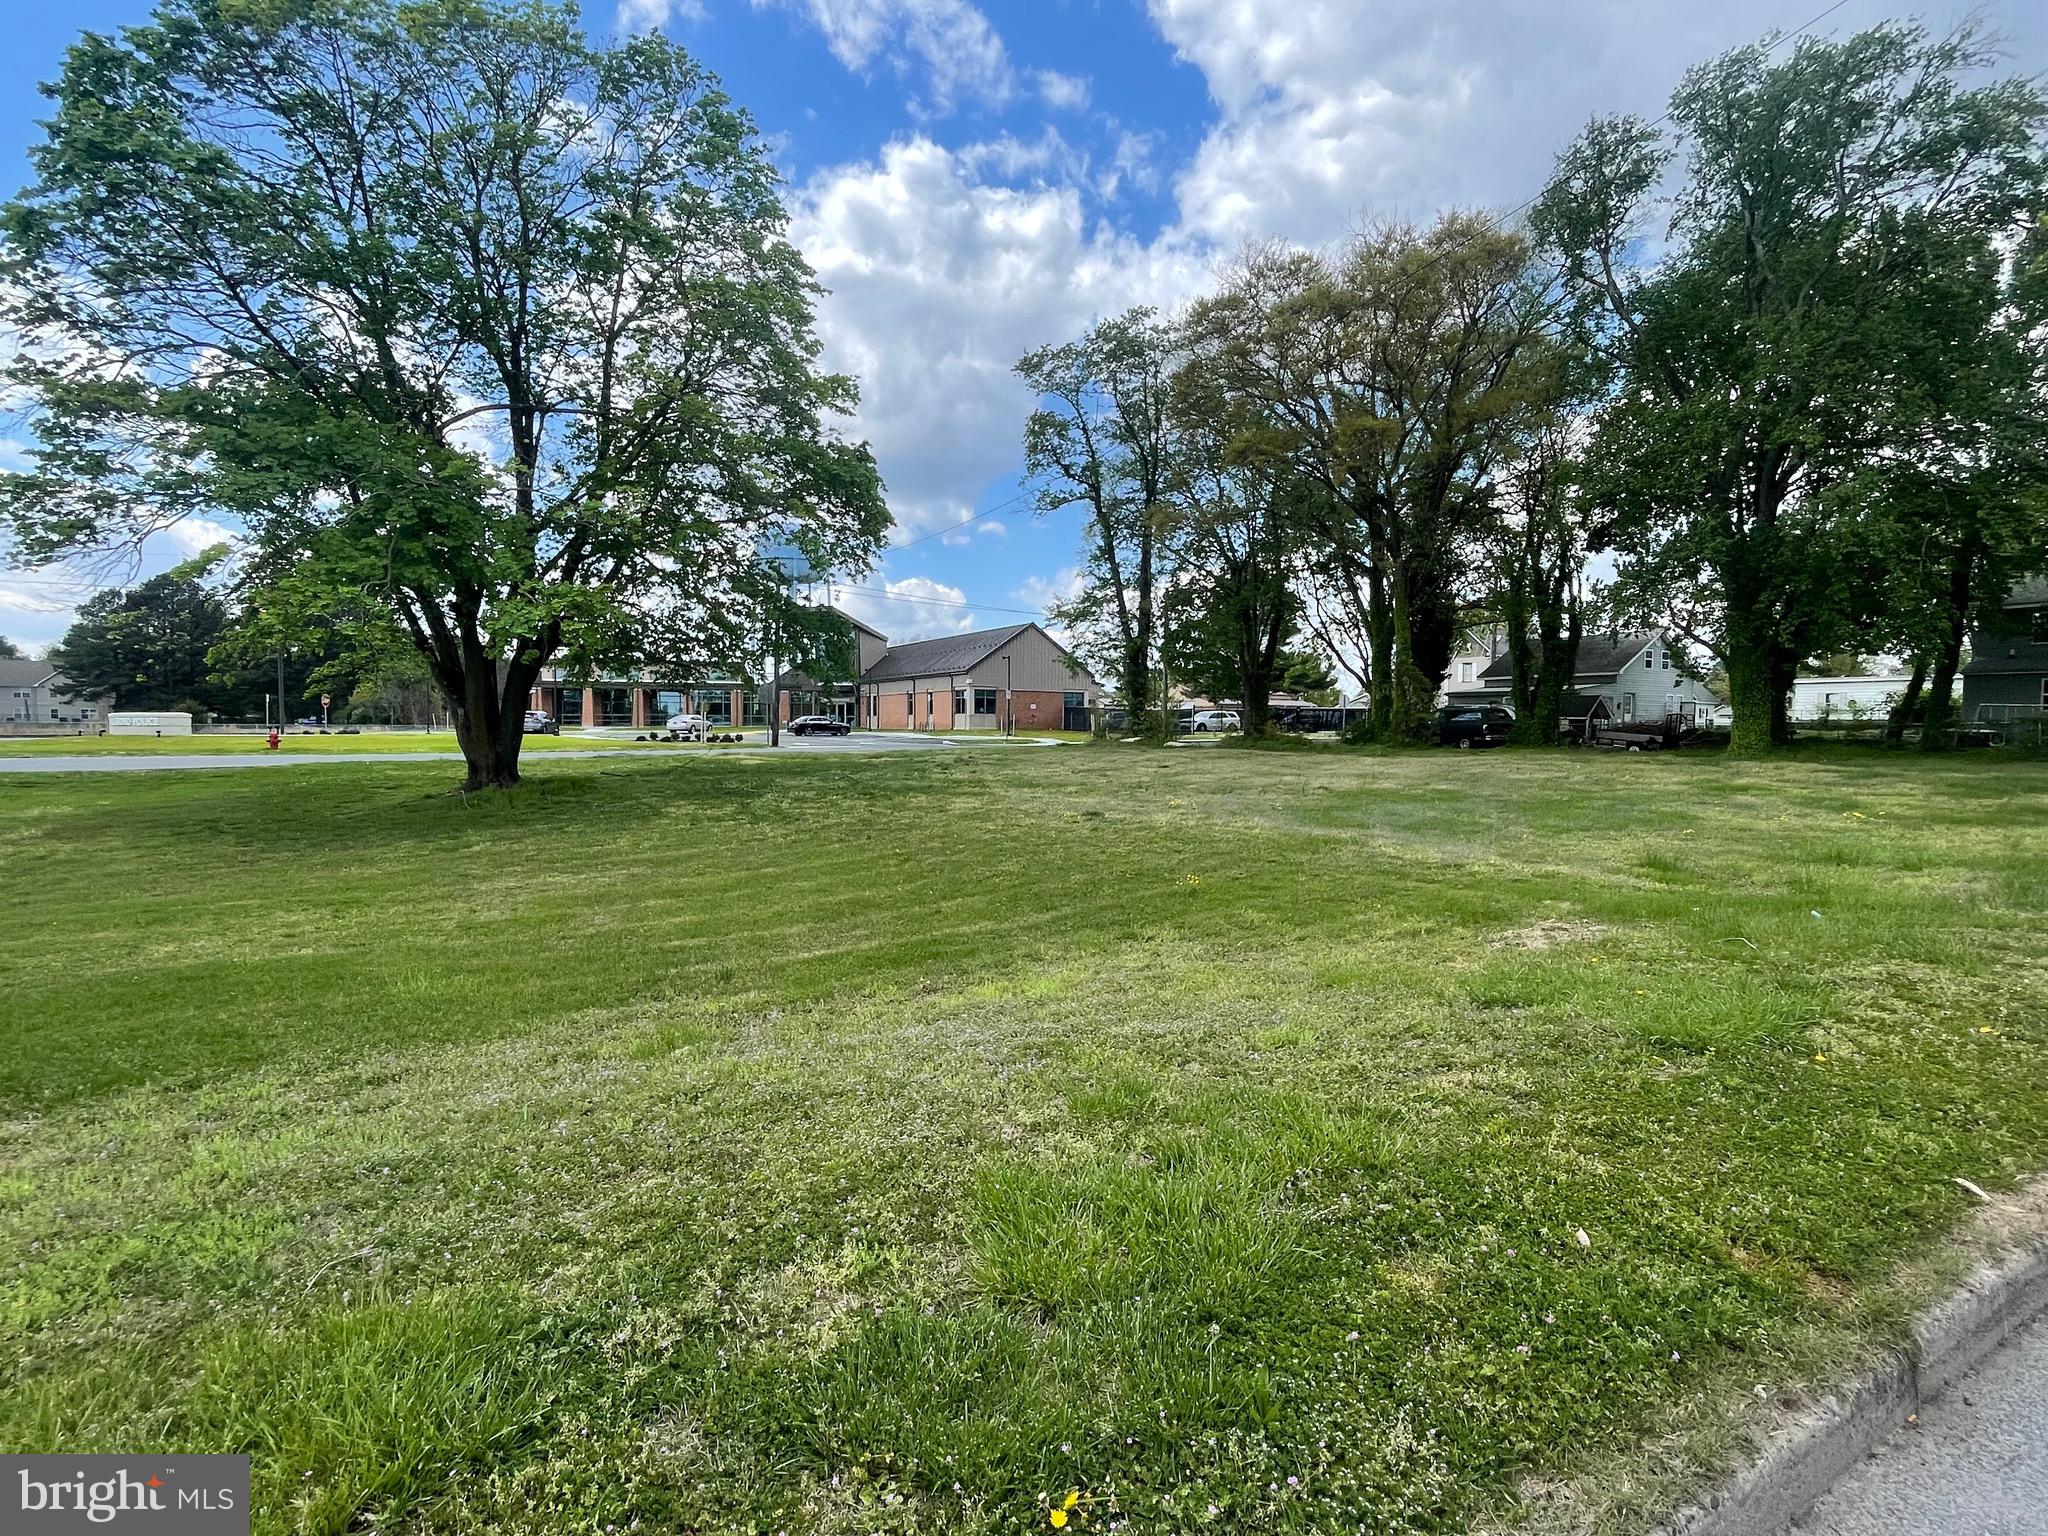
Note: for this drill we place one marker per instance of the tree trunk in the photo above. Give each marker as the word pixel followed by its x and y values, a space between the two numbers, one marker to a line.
pixel 1907 702
pixel 1379 620
pixel 1412 709
pixel 1939 732
pixel 489 715
pixel 1784 669
pixel 490 749
pixel 1751 680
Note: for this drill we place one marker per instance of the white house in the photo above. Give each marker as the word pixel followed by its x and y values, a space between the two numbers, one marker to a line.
pixel 1847 698
pixel 1637 677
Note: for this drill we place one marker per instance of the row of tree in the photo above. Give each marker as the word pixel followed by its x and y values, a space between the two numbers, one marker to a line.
pixel 177 641
pixel 1785 361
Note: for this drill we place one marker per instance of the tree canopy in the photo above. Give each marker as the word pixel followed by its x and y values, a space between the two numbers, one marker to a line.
pixel 486 334
pixel 1766 325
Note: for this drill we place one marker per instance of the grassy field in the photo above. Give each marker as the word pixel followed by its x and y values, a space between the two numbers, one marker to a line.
pixel 205 744
pixel 1162 1141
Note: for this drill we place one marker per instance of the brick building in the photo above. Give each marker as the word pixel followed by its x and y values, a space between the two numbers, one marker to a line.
pixel 987 680
pixel 953 683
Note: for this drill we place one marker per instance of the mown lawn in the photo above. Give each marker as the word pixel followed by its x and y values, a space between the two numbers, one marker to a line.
pixel 1227 1140
pixel 207 744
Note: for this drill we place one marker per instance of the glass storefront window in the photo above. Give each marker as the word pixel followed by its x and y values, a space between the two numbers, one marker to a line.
pixel 568 706
pixel 614 706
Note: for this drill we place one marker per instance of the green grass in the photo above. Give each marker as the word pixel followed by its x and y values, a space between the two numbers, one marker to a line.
pixel 207 744
pixel 896 1144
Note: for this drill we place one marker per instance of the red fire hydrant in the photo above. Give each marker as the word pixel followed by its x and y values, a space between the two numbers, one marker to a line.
pixel 271 744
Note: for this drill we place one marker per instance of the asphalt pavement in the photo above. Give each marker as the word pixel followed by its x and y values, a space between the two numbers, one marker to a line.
pixel 1975 1464
pixel 858 741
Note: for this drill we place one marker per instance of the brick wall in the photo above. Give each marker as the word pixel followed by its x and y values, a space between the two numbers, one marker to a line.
pixel 895 708
pixel 1037 710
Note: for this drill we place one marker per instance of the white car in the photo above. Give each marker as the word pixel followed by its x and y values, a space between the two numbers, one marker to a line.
pixel 1216 720
pixel 689 727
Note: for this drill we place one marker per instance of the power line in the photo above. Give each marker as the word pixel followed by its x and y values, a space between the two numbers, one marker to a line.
pixel 971 518
pixel 943 602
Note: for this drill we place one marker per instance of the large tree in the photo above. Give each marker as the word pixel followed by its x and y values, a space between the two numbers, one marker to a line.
pixel 469 321
pixel 1238 532
pixel 1099 439
pixel 1538 566
pixel 149 646
pixel 1761 338
pixel 1396 376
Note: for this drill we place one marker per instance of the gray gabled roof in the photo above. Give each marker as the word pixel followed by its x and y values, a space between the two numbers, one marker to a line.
pixel 2030 593
pixel 1998 656
pixel 26 672
pixel 1599 656
pixel 946 654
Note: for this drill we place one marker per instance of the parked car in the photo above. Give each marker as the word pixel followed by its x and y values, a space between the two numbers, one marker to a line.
pixel 688 727
pixel 817 725
pixel 539 722
pixel 1215 720
pixel 1485 726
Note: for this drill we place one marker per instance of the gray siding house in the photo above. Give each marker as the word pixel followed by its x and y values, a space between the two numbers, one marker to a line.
pixel 2006 677
pixel 36 693
pixel 1634 677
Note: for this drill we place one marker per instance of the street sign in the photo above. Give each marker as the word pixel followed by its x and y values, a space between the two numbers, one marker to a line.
pixel 325 701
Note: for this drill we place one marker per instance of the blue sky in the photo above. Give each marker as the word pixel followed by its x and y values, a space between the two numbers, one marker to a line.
pixel 972 179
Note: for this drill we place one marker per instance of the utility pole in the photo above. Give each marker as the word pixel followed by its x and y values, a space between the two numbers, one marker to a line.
pixel 280 688
pixel 774 672
pixel 784 593
pixel 1009 700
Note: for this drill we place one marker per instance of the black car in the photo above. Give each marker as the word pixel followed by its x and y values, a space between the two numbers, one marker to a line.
pixel 817 725
pixel 1485 725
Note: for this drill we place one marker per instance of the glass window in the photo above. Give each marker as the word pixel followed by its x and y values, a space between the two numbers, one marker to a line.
pixel 568 706
pixel 1628 706
pixel 984 701
pixel 959 702
pixel 1464 671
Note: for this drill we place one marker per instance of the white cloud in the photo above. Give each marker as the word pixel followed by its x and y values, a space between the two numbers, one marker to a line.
pixel 961 54
pixel 938 283
pixel 43 590
pixel 192 535
pixel 653 15
pixel 1043 591
pixel 1063 93
pixel 915 608
pixel 1327 108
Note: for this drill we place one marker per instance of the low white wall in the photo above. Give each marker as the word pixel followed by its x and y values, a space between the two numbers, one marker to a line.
pixel 156 722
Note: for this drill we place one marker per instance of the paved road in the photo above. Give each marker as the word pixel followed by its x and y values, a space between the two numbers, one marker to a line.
pixel 859 741
pixel 1975 1465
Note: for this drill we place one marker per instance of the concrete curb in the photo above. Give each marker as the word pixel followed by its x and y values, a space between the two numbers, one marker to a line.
pixel 1802 1462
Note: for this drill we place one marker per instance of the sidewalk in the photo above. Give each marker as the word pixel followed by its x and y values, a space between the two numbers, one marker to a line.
pixel 1976 1463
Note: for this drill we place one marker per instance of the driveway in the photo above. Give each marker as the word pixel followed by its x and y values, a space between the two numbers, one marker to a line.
pixel 859 741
